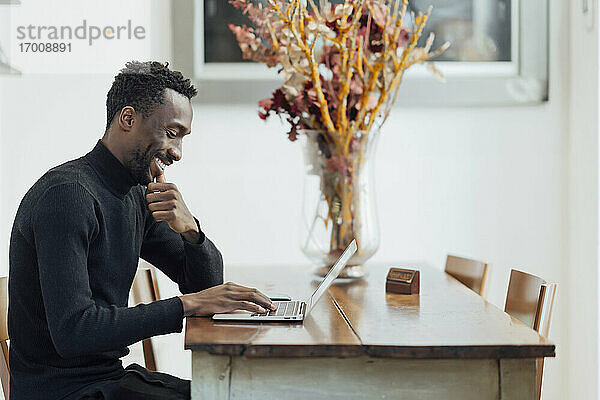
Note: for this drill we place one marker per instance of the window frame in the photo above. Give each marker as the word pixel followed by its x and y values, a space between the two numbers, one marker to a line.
pixel 521 81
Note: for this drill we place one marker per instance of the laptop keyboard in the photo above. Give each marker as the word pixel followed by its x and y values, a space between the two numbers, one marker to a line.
pixel 284 309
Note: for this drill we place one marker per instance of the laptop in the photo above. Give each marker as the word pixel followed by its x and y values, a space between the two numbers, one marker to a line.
pixel 294 310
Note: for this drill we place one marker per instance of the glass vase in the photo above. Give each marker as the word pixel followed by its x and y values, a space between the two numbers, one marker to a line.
pixel 339 199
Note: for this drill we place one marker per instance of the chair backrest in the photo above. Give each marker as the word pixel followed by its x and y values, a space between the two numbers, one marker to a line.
pixel 524 299
pixel 471 273
pixel 145 290
pixel 530 299
pixel 4 366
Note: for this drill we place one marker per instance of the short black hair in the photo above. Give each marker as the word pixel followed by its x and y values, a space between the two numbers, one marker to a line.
pixel 141 85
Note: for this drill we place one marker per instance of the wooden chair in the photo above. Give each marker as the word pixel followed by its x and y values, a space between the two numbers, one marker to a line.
pixel 530 299
pixel 471 273
pixel 4 366
pixel 145 290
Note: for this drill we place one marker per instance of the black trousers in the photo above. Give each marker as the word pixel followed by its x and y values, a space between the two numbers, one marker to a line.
pixel 140 384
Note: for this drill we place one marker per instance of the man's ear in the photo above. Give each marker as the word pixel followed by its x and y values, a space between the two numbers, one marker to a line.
pixel 127 118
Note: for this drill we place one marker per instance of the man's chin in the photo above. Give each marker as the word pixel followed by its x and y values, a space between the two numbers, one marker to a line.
pixel 146 180
pixel 143 178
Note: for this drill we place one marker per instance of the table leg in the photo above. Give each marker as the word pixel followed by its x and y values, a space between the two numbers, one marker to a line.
pixel 517 378
pixel 211 376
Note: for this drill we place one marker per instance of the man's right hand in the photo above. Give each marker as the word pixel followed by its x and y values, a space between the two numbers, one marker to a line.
pixel 225 298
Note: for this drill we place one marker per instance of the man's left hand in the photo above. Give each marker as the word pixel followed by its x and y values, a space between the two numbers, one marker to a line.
pixel 165 202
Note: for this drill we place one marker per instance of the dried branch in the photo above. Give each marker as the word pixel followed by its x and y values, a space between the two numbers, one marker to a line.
pixel 365 45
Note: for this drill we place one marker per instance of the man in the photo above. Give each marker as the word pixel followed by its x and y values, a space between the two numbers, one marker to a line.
pixel 75 245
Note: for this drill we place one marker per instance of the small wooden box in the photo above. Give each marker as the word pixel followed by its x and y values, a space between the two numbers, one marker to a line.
pixel 402 281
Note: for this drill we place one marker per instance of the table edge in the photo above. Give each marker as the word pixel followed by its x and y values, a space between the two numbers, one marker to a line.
pixel 379 351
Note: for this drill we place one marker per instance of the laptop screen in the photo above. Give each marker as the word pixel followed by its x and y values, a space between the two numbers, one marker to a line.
pixel 331 275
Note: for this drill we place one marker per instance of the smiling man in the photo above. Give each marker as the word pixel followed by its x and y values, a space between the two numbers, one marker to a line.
pixel 75 246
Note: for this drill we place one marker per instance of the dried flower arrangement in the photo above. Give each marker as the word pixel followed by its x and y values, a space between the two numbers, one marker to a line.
pixel 343 66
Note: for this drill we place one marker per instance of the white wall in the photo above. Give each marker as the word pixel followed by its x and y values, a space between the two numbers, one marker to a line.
pixel 484 182
pixel 581 271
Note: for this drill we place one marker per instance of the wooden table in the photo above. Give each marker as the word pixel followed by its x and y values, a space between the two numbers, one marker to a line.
pixel 361 343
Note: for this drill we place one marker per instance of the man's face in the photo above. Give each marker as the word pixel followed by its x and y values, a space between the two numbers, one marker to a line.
pixel 158 138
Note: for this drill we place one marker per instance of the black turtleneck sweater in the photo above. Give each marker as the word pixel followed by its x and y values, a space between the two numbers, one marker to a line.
pixel 74 250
